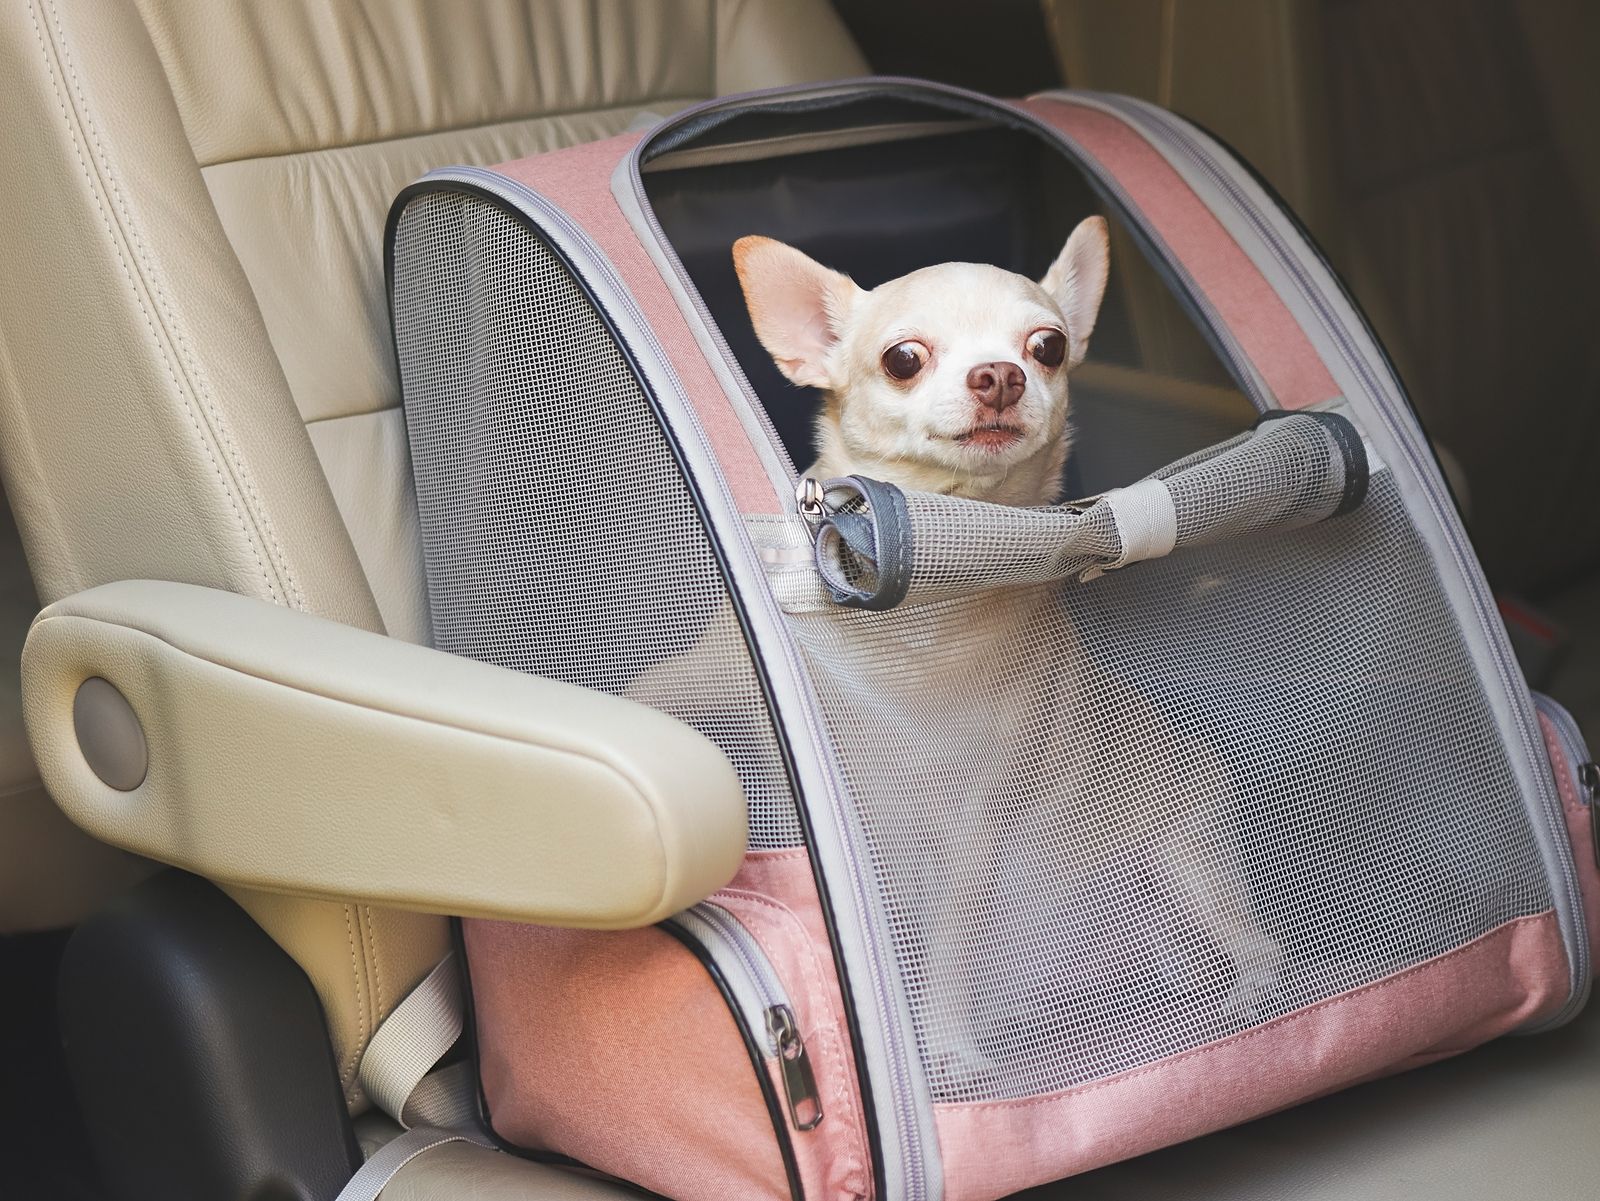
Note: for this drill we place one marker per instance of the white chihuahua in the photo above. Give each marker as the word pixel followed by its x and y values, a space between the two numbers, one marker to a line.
pixel 953 379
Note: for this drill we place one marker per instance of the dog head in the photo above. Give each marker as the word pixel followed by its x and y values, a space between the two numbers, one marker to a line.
pixel 950 379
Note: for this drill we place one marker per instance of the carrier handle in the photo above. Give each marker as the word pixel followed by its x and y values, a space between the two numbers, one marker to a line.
pixel 877 546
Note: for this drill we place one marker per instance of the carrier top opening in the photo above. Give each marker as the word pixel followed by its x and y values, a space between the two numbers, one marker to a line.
pixel 880 184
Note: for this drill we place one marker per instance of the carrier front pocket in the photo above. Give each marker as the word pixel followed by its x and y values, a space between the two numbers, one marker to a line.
pixel 775 979
pixel 620 1049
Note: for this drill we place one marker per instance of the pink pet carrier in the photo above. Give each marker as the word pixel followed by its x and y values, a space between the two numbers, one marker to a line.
pixel 1074 831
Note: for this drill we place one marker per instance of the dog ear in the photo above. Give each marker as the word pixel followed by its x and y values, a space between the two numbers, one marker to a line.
pixel 1077 281
pixel 797 305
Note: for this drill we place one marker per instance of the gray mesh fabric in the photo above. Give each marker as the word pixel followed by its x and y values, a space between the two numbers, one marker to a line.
pixel 559 534
pixel 1115 820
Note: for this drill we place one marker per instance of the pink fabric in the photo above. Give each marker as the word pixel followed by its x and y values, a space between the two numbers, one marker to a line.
pixel 1508 977
pixel 774 896
pixel 1247 304
pixel 1580 821
pixel 578 179
pixel 616 1048
pixel 787 876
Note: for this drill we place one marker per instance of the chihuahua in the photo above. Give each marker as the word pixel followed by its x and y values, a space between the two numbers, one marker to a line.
pixel 953 379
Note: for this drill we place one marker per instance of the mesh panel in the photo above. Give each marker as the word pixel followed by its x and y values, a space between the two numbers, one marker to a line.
pixel 1114 821
pixel 559 534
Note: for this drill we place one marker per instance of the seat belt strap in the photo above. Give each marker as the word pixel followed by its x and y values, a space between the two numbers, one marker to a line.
pixel 395 1154
pixel 396 1070
pixel 414 1037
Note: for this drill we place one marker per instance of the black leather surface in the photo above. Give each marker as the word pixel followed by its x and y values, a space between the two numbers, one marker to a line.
pixel 199 1053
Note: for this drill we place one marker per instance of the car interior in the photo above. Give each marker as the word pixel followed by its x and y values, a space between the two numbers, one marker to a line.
pixel 198 387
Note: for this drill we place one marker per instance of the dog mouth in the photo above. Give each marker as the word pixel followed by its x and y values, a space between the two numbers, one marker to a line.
pixel 991 435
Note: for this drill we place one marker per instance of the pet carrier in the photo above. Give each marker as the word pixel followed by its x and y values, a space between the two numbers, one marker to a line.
pixel 1074 831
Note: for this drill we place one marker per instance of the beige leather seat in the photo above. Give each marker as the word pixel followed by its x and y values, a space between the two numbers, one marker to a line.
pixel 195 372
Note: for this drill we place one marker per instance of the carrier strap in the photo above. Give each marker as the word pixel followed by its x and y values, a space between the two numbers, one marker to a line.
pixel 1147 521
pixel 878 534
pixel 1357 471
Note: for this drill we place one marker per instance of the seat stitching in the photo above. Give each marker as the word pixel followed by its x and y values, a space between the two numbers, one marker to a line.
pixel 172 326
pixel 373 1016
pixel 347 1073
pixel 377 965
pixel 175 329
pixel 636 105
pixel 155 332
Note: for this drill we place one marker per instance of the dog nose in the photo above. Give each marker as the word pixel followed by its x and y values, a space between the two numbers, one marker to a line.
pixel 996 386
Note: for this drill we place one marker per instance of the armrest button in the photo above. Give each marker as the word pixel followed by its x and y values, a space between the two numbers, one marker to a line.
pixel 109 734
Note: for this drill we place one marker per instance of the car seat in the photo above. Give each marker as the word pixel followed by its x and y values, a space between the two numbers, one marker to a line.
pixel 196 381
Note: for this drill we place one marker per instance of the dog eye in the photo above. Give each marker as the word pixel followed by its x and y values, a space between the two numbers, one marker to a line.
pixel 1048 347
pixel 905 359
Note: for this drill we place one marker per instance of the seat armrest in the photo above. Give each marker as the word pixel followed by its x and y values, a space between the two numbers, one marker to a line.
pixel 270 748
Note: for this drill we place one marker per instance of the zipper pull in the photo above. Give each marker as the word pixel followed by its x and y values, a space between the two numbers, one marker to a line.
pixel 1589 783
pixel 799 1085
pixel 810 501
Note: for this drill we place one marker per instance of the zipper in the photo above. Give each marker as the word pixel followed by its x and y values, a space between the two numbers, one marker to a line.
pixel 1399 422
pixel 762 1005
pixel 799 1085
pixel 1585 771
